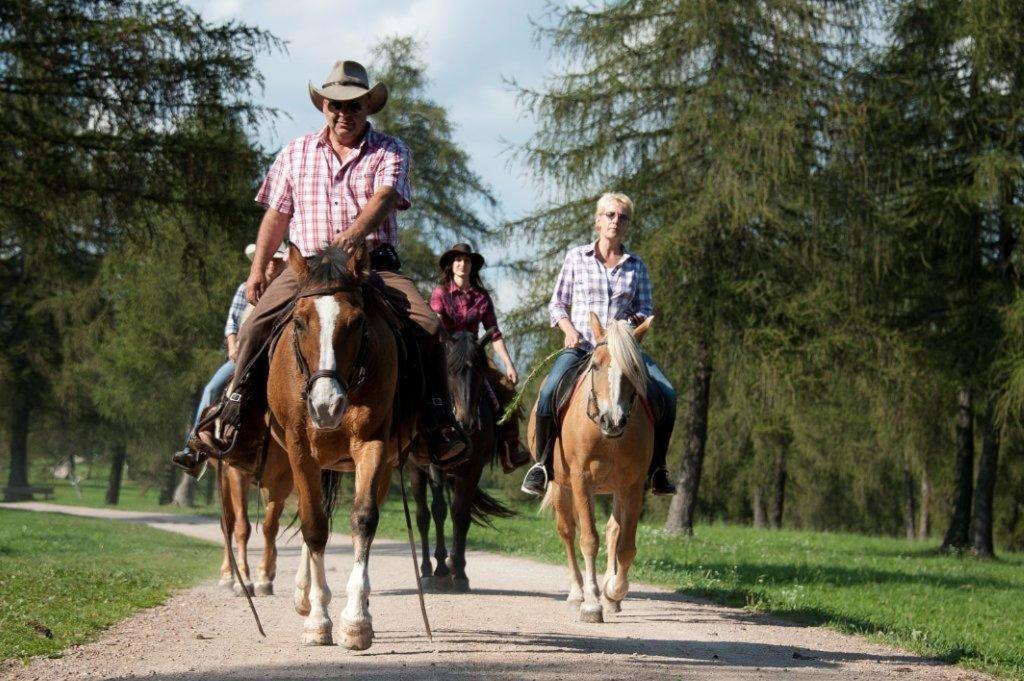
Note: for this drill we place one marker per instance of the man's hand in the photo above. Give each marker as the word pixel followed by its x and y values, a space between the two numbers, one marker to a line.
pixel 572 338
pixel 232 347
pixel 255 285
pixel 348 240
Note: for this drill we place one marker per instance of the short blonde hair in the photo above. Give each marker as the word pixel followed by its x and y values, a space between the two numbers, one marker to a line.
pixel 617 197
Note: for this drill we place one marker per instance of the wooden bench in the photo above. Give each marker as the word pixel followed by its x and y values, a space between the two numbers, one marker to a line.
pixel 45 490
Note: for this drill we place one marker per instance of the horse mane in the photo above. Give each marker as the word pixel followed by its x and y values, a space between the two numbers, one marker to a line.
pixel 625 352
pixel 329 268
pixel 462 350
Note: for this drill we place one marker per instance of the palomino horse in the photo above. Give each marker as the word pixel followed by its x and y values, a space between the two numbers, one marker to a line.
pixel 476 413
pixel 275 485
pixel 337 417
pixel 604 447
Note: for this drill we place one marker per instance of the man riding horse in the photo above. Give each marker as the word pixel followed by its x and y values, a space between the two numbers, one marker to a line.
pixel 605 279
pixel 340 186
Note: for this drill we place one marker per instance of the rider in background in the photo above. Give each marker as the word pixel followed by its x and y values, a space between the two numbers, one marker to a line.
pixel 237 313
pixel 463 304
pixel 604 278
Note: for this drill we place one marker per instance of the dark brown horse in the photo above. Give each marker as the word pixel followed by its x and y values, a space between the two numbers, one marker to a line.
pixel 477 413
pixel 332 386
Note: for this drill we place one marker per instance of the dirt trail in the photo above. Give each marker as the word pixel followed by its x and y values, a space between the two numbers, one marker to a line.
pixel 514 625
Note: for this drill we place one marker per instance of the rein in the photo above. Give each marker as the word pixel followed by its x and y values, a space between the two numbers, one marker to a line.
pixel 350 384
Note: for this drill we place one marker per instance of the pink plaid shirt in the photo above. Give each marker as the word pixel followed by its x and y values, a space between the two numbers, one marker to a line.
pixel 464 310
pixel 324 196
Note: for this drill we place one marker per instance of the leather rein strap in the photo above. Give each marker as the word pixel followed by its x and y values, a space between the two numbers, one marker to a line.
pixel 358 373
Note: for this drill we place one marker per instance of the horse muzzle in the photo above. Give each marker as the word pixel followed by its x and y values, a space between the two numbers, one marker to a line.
pixel 326 404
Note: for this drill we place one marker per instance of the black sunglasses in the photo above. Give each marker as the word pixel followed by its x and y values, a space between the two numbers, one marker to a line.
pixel 352 106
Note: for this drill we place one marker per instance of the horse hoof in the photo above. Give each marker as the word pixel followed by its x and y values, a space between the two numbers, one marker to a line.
pixel 301 603
pixel 357 636
pixel 318 636
pixel 444 582
pixel 227 583
pixel 592 614
pixel 613 606
pixel 264 588
pixel 460 585
pixel 237 588
pixel 427 583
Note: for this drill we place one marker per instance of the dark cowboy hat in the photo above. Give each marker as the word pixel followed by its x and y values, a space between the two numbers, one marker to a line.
pixel 461 249
pixel 346 81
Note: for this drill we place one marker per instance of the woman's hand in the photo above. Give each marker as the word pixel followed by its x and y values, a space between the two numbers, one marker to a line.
pixel 511 374
pixel 572 338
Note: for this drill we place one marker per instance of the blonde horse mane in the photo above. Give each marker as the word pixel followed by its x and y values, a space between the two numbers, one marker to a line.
pixel 625 352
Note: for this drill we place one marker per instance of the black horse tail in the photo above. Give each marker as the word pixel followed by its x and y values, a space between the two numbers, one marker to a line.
pixel 330 484
pixel 483 507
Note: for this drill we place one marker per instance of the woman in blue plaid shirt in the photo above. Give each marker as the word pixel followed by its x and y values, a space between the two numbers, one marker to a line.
pixel 606 279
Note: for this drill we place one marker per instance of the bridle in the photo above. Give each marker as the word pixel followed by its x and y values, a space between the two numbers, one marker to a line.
pixel 358 372
pixel 593 408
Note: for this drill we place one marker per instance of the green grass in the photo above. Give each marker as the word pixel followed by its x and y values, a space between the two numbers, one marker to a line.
pixel 62 579
pixel 960 609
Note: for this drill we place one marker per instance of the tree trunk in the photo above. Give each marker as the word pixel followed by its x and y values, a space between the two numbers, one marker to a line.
pixel 780 486
pixel 17 480
pixel 924 522
pixel 760 517
pixel 982 519
pixel 958 535
pixel 168 485
pixel 185 491
pixel 119 456
pixel 909 507
pixel 684 503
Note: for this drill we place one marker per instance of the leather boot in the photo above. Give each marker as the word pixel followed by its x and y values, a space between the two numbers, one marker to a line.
pixel 447 444
pixel 512 454
pixel 657 477
pixel 536 480
pixel 189 460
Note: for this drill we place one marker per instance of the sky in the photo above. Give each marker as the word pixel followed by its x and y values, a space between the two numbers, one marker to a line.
pixel 469 46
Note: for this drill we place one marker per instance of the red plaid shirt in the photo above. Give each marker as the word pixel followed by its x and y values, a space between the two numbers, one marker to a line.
pixel 464 310
pixel 324 196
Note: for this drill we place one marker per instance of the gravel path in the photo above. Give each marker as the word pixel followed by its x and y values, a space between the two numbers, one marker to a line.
pixel 513 625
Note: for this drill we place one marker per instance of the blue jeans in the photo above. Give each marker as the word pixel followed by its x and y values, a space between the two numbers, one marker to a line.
pixel 659 391
pixel 213 389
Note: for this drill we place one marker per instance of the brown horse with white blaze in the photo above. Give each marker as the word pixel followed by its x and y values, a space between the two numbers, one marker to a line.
pixel 331 393
pixel 604 447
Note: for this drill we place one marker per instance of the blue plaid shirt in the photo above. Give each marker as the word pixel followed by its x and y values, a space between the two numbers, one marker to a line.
pixel 585 285
pixel 238 304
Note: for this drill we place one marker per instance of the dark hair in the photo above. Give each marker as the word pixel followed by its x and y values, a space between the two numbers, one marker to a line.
pixel 474 275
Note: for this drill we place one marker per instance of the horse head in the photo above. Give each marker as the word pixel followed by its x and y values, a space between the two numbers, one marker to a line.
pixel 617 374
pixel 329 330
pixel 467 365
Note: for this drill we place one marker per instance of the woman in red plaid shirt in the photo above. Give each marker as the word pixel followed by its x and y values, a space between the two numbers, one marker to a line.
pixel 463 304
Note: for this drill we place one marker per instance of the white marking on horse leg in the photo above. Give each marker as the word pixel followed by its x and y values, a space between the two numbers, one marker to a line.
pixel 301 597
pixel 591 610
pixel 316 630
pixel 326 395
pixel 358 590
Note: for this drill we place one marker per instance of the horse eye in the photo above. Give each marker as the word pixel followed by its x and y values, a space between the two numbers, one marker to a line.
pixel 300 325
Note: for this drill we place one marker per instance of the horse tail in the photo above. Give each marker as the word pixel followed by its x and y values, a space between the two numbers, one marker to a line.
pixel 484 507
pixel 330 483
pixel 549 498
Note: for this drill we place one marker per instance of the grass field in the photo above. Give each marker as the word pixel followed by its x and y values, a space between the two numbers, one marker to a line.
pixel 958 609
pixel 134 497
pixel 62 579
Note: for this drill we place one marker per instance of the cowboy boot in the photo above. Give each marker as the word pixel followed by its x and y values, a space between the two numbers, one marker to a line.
pixel 657 478
pixel 447 444
pixel 536 480
pixel 189 460
pixel 512 455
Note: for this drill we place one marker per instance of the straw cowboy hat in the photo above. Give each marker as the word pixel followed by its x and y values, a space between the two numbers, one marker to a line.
pixel 347 81
pixel 461 249
pixel 280 254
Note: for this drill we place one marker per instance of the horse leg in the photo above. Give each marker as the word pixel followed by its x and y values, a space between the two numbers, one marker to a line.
pixel 583 501
pixel 372 476
pixel 561 499
pixel 462 496
pixel 439 509
pixel 277 481
pixel 311 591
pixel 626 513
pixel 239 484
pixel 418 481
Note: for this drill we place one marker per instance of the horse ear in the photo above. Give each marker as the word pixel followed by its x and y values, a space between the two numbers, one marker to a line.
pixel 595 326
pixel 359 263
pixel 297 262
pixel 488 336
pixel 641 331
